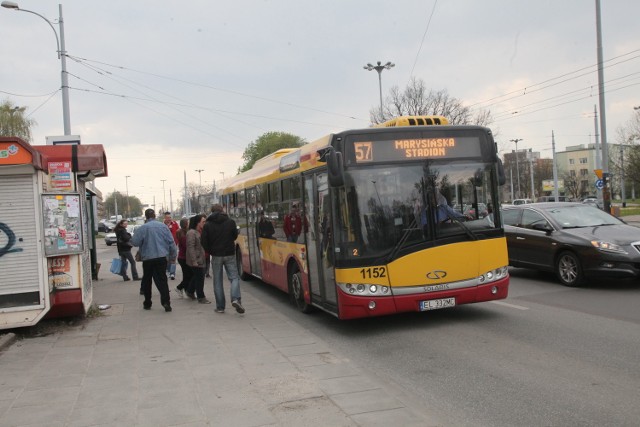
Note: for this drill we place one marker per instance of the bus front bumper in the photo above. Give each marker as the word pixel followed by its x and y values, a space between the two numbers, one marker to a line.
pixel 354 307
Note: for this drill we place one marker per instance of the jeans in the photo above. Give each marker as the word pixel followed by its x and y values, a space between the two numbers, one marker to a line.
pixel 155 269
pixel 197 282
pixel 229 264
pixel 186 275
pixel 127 258
pixel 171 268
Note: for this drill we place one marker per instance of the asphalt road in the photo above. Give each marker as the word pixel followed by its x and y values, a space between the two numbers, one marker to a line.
pixel 547 356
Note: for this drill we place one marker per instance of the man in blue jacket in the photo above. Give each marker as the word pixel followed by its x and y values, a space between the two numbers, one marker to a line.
pixel 156 249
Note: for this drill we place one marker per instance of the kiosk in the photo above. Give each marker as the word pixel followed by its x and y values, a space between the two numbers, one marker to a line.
pixel 47 223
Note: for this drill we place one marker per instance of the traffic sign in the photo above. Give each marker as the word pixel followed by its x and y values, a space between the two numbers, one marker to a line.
pixel 599 184
pixel 598 173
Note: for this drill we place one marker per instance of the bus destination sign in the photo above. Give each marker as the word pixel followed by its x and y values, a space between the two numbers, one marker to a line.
pixel 416 149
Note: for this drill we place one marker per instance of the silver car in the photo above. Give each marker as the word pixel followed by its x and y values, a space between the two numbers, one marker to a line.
pixel 110 238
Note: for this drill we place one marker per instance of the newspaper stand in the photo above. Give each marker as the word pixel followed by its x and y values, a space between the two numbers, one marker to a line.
pixel 46 230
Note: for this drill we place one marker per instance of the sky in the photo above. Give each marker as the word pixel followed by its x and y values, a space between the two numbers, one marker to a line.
pixel 172 88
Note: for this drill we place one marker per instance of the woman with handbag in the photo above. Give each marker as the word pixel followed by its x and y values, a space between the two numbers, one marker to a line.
pixel 124 250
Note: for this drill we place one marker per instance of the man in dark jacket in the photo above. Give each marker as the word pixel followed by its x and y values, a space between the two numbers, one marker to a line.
pixel 218 238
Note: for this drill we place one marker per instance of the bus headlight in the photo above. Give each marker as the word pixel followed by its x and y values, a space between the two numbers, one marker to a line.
pixel 493 275
pixel 365 290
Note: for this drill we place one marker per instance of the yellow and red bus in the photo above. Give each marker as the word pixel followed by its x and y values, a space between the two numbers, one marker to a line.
pixel 395 218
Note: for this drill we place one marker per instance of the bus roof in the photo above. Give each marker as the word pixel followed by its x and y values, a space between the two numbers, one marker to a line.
pixel 290 161
pixel 414 121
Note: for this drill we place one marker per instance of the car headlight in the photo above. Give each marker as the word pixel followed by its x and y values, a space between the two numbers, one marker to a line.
pixel 608 247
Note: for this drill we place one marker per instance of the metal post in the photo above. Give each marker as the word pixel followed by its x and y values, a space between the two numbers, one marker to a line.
pixel 517 167
pixel 606 197
pixel 126 183
pixel 66 115
pixel 164 196
pixel 622 189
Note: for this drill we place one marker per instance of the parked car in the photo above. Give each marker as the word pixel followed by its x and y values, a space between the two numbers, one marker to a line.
pixel 105 226
pixel 544 199
pixel 592 201
pixel 110 238
pixel 522 201
pixel 471 211
pixel 574 240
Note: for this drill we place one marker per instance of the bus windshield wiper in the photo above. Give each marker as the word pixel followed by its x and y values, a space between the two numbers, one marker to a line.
pixel 466 229
pixel 402 240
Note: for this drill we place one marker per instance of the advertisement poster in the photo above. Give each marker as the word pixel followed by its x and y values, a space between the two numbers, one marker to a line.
pixel 60 276
pixel 62 224
pixel 60 176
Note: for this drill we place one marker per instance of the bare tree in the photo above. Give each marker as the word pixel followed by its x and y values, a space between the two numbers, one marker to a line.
pixel 417 100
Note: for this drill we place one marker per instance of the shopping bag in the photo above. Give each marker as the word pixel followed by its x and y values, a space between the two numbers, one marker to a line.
pixel 116 266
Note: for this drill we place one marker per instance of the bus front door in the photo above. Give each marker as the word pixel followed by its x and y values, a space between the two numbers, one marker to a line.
pixel 320 243
pixel 252 235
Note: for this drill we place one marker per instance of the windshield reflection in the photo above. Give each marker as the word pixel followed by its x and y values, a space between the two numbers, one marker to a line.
pixel 387 208
pixel 581 216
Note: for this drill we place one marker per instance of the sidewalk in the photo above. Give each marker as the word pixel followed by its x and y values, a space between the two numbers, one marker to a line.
pixel 190 367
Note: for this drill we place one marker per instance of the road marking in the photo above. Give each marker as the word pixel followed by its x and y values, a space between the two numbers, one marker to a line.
pixel 506 304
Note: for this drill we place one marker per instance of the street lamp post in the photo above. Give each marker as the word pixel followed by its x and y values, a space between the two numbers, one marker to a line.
pixel 62 55
pixel 222 175
pixel 379 69
pixel 199 186
pixel 164 196
pixel 126 183
pixel 517 168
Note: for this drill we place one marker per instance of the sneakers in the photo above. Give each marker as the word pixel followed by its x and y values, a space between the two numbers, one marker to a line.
pixel 219 310
pixel 146 306
pixel 180 292
pixel 204 301
pixel 137 278
pixel 173 277
pixel 167 307
pixel 238 306
pixel 191 295
pixel 126 279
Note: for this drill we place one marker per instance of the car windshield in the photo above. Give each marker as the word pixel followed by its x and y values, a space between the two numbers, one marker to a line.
pixel 388 208
pixel 581 216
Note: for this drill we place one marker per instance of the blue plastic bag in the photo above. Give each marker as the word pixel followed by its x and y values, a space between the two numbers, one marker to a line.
pixel 116 266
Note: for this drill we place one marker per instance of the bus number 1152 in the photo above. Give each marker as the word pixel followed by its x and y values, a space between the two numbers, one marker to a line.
pixel 373 272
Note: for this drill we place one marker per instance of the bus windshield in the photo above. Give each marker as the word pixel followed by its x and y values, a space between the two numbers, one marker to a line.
pixel 384 209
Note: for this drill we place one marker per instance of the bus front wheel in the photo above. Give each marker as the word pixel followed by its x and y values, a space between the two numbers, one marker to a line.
pixel 296 290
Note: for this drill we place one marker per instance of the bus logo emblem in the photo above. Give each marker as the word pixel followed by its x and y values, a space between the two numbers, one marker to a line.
pixel 436 274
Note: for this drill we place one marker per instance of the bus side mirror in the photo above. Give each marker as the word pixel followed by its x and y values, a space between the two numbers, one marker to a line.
pixel 502 179
pixel 336 169
pixel 335 165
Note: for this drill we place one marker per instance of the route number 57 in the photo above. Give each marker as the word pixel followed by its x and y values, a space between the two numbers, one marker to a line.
pixel 364 152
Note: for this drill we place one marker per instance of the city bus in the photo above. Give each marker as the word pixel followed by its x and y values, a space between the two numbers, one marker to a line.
pixel 389 219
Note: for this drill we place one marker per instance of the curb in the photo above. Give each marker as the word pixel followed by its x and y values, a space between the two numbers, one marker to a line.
pixel 6 340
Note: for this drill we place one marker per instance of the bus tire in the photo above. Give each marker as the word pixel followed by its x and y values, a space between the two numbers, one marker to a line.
pixel 241 273
pixel 296 289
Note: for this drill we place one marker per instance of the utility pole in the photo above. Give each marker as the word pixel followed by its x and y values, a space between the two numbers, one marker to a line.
pixel 164 196
pixel 606 195
pixel 622 189
pixel 126 183
pixel 517 167
pixel 555 167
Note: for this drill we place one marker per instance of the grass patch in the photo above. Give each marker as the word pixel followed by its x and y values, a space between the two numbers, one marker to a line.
pixel 630 211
